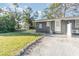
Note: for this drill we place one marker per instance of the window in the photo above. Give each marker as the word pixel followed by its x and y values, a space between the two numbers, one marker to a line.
pixel 77 24
pixel 58 25
pixel 40 25
pixel 48 24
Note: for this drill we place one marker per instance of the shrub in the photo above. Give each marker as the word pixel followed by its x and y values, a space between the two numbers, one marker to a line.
pixel 7 24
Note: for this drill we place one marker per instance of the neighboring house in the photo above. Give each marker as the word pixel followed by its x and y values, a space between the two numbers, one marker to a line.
pixel 65 25
pixel 24 25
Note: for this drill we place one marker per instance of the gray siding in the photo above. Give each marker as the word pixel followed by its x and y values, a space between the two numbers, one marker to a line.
pixel 73 25
pixel 53 26
pixel 74 28
pixel 64 26
pixel 46 29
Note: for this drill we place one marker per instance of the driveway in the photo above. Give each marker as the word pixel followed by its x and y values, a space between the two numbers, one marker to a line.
pixel 55 45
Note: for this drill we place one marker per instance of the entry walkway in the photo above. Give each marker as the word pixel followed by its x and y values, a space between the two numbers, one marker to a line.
pixel 55 45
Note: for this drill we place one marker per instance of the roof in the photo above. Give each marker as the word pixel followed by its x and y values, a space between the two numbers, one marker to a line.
pixel 63 18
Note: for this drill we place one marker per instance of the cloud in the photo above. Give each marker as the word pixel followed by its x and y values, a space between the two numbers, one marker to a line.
pixel 20 9
pixel 4 8
pixel 10 5
pixel 25 6
pixel 40 14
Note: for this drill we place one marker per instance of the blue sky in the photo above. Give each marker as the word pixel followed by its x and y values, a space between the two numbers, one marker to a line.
pixel 34 6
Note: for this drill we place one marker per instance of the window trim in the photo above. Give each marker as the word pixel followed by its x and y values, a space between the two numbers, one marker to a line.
pixel 40 25
pixel 77 24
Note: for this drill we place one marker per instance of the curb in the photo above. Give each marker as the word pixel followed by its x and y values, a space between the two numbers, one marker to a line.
pixel 28 45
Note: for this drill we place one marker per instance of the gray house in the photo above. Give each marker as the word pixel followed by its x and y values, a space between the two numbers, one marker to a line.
pixel 65 25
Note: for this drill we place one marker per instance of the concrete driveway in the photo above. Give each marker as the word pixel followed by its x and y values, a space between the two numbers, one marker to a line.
pixel 55 45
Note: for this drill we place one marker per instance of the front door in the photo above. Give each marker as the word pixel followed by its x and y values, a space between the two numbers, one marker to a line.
pixel 57 26
pixel 53 26
pixel 63 26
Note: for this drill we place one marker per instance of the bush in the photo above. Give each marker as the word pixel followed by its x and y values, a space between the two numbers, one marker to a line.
pixel 7 24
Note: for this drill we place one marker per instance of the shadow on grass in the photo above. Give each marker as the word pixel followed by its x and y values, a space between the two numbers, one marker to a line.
pixel 19 34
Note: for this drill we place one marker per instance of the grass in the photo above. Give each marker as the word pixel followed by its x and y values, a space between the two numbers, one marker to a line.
pixel 12 43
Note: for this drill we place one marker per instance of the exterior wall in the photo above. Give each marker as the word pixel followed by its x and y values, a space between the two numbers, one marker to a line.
pixel 77 24
pixel 73 25
pixel 64 26
pixel 53 26
pixel 76 27
pixel 44 28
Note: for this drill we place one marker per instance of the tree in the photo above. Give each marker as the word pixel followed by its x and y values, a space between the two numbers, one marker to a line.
pixel 10 22
pixel 7 23
pixel 57 10
pixel 46 14
pixel 15 9
pixel 1 10
pixel 35 15
pixel 53 11
pixel 29 16
pixel 17 15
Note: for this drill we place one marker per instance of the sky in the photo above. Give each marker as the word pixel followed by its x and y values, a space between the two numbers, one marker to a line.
pixel 34 6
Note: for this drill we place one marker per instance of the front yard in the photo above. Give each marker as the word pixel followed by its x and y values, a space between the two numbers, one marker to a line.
pixel 12 43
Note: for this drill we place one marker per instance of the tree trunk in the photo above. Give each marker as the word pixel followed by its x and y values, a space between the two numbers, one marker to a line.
pixel 64 9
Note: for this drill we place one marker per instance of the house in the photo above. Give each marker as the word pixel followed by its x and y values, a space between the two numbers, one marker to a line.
pixel 64 25
pixel 23 25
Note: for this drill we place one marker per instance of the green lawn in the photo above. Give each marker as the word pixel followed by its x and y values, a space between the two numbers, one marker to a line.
pixel 12 43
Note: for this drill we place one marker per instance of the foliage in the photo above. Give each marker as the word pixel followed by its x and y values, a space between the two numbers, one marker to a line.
pixel 29 16
pixel 7 23
pixel 53 11
pixel 17 15
pixel 46 14
pixel 11 20
pixel 57 10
